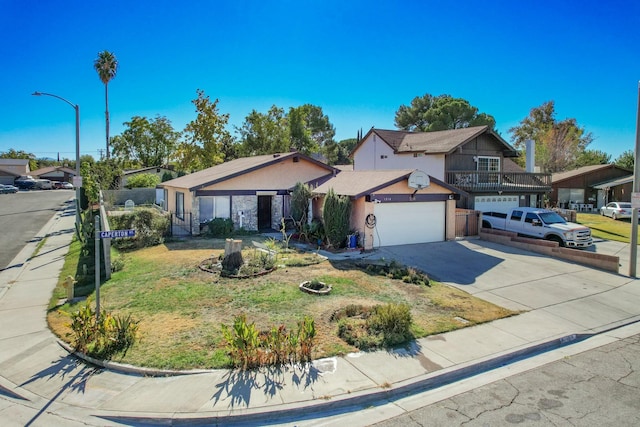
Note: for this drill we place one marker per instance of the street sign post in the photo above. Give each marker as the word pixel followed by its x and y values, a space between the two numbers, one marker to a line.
pixel 116 234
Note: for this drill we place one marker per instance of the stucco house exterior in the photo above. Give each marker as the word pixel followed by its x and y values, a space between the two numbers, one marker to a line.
pixel 475 160
pixel 387 211
pixel 17 166
pixel 252 191
pixel 7 176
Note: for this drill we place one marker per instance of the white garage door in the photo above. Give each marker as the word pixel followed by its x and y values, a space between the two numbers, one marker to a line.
pixel 405 223
pixel 496 203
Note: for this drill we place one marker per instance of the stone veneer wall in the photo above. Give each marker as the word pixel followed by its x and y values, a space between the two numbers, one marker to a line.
pixel 276 212
pixel 249 205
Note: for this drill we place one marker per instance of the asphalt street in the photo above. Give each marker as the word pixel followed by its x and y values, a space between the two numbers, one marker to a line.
pixel 599 387
pixel 23 214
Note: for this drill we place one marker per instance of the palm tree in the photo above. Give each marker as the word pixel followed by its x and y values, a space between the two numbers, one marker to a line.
pixel 106 64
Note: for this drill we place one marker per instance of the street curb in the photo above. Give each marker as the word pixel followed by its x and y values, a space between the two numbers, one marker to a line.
pixel 363 398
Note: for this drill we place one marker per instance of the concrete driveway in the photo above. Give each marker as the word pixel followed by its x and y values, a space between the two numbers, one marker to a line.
pixel 510 277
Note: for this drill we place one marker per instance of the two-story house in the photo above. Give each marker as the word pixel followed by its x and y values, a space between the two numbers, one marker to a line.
pixel 475 160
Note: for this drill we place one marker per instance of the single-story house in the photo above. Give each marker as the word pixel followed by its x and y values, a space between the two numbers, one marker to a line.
pixel 253 191
pixel 8 177
pixel 576 187
pixel 55 173
pixel 17 166
pixel 388 208
pixel 159 171
pixel 616 190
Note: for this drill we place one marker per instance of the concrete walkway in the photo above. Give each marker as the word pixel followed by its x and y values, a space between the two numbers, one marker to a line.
pixel 564 303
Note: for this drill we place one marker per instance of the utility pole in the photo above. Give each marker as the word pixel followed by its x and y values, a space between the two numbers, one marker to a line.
pixel 633 253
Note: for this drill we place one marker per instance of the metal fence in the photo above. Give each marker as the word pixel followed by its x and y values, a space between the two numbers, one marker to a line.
pixel 181 224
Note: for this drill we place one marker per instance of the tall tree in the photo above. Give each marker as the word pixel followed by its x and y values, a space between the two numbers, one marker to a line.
pixel 205 137
pixel 432 113
pixel 559 144
pixel 312 132
pixel 148 142
pixel 265 133
pixel 20 154
pixel 106 65
pixel 592 157
pixel 345 147
pixel 626 160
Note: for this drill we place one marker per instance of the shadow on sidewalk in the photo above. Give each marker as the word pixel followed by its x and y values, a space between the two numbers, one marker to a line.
pixel 65 367
pixel 238 385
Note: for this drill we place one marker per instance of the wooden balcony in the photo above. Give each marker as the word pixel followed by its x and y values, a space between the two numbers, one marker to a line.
pixel 477 182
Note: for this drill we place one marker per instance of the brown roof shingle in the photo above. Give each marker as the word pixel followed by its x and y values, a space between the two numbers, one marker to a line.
pixel 561 176
pixel 357 183
pixel 232 169
pixel 438 142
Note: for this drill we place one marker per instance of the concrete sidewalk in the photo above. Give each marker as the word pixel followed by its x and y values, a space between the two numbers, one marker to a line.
pixel 41 384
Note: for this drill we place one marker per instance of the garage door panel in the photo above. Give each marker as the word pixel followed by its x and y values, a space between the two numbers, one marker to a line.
pixel 406 223
pixel 496 203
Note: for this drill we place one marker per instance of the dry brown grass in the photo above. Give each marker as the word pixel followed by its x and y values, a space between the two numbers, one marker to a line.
pixel 182 307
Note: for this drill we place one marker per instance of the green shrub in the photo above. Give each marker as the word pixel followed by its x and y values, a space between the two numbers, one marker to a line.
pixel 380 326
pixel 117 264
pixel 393 322
pixel 150 225
pixel 300 197
pixel 220 227
pixel 336 213
pixel 248 348
pixel 103 337
pixel 167 176
pixel 143 180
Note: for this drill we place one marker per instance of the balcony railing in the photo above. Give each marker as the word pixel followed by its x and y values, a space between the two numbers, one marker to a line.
pixel 475 181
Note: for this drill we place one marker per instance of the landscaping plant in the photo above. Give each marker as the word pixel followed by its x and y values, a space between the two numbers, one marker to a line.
pixel 102 337
pixel 335 215
pixel 249 349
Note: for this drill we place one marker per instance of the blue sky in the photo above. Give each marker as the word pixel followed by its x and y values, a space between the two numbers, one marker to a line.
pixel 358 60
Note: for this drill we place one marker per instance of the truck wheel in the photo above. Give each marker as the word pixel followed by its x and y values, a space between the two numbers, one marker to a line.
pixel 557 239
pixel 486 224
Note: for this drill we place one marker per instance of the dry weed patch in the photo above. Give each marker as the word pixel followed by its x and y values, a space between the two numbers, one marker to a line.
pixel 181 308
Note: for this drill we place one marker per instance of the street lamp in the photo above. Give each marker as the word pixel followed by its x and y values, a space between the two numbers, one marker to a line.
pixel 77 178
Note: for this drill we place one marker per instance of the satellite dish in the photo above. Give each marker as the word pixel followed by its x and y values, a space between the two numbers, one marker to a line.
pixel 418 180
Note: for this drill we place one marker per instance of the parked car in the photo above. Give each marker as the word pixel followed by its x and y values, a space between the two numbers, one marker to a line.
pixel 25 183
pixel 43 184
pixel 617 210
pixel 6 189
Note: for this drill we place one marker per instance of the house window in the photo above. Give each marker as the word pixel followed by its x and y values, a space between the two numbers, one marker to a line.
pixel 488 170
pixel 179 205
pixel 214 207
pixel 165 203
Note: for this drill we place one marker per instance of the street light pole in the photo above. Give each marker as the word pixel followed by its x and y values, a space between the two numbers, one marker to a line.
pixel 77 109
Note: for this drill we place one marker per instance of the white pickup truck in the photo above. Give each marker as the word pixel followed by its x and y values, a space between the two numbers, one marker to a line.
pixel 540 223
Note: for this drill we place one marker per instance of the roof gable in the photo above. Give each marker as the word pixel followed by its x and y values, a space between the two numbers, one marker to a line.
pixel 561 176
pixel 235 168
pixel 437 142
pixel 49 169
pixel 356 184
pixel 14 162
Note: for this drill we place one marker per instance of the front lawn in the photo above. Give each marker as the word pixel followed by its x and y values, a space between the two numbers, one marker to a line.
pixel 181 307
pixel 603 227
